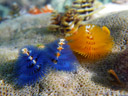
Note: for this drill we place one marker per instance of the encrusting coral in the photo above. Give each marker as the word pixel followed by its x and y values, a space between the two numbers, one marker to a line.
pixel 83 82
pixel 8 90
pixel 75 84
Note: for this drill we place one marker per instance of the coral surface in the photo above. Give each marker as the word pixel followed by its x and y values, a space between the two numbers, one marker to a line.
pixel 89 80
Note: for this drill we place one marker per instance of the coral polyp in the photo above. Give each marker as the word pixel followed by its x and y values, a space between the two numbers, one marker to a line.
pixel 30 65
pixel 60 56
pixel 91 41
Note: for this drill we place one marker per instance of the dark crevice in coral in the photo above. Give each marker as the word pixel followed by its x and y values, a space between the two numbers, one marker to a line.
pixel 102 76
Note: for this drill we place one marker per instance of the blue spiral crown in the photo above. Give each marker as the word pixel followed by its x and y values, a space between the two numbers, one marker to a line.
pixel 30 65
pixel 60 56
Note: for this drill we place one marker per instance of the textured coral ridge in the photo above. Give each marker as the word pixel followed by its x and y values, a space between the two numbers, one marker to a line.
pixel 80 84
pixel 30 65
pixel 91 41
pixel 60 55
pixel 8 90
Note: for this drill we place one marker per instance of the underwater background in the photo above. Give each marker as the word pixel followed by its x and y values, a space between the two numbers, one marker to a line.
pixel 63 47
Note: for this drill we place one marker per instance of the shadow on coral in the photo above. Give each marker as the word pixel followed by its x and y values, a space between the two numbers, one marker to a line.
pixel 100 70
pixel 6 71
pixel 102 76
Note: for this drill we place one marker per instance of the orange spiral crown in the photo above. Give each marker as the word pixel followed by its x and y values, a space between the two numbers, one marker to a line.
pixel 91 41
